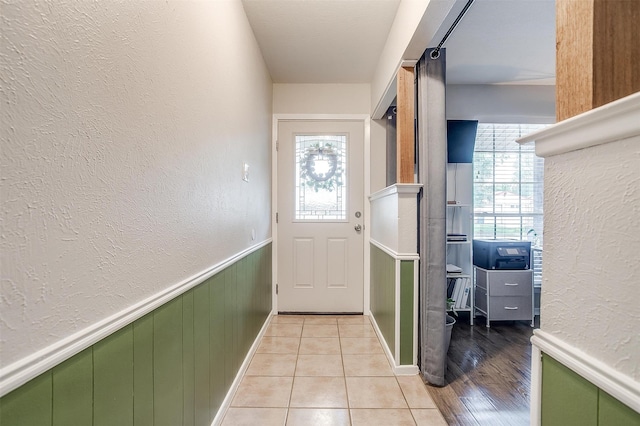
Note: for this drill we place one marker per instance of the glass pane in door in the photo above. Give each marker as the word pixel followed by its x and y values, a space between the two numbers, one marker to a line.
pixel 321 178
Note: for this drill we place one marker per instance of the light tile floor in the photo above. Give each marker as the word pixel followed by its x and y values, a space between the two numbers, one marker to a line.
pixel 327 370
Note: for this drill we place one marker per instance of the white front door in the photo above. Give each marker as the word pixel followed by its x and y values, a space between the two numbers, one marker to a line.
pixel 320 208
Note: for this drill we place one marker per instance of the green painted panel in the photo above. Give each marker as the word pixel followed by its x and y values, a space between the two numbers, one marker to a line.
pixel 233 312
pixel 143 371
pixel 167 364
pixel 612 412
pixel 567 398
pixel 256 294
pixel 231 356
pixel 217 387
pixel 406 312
pixel 113 379
pixel 201 355
pixel 188 359
pixel 268 282
pixel 73 390
pixel 243 312
pixel 383 298
pixel 30 404
pixel 248 265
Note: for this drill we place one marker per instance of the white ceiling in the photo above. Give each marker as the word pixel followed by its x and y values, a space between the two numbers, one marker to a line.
pixel 321 41
pixel 339 41
pixel 504 42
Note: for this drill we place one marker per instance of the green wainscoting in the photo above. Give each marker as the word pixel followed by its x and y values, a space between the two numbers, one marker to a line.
pixel 383 302
pixel 383 294
pixel 406 312
pixel 171 367
pixel 569 399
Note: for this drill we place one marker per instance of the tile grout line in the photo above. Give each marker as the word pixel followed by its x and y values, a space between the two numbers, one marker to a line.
pixel 293 379
pixel 344 375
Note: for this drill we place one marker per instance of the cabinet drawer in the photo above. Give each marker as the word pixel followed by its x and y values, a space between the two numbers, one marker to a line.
pixel 481 299
pixel 510 283
pixel 510 308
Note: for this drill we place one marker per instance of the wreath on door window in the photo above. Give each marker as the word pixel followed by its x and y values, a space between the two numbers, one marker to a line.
pixel 320 169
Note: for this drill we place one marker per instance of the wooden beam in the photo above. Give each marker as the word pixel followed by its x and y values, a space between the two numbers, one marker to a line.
pixel 616 47
pixel 405 137
pixel 597 55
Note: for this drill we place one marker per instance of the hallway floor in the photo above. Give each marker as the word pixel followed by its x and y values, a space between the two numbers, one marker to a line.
pixel 489 374
pixel 316 370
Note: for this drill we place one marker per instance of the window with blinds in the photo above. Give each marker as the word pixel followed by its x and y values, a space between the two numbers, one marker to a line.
pixel 507 184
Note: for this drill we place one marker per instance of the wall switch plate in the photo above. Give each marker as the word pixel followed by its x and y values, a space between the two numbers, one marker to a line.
pixel 245 172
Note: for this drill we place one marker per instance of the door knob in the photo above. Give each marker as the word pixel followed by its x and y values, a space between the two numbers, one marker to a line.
pixel 358 228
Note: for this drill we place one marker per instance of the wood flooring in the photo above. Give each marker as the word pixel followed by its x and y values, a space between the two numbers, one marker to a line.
pixel 488 374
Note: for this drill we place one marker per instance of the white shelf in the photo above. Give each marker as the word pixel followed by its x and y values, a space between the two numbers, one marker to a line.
pixel 454 275
pixel 459 221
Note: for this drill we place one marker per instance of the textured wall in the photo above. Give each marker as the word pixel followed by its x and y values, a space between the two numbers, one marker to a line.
pixel 590 288
pixel 124 127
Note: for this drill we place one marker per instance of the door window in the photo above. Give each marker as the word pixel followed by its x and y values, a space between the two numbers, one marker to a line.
pixel 321 178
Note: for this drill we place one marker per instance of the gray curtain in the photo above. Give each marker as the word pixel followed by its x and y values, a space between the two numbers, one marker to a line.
pixel 432 173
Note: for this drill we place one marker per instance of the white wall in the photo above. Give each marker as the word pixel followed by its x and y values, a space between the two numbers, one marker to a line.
pixel 590 289
pixel 404 26
pixel 321 98
pixel 124 127
pixel 378 166
pixel 394 219
pixel 501 103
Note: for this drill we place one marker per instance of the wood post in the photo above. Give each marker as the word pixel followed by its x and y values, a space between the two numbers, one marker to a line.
pixel 405 139
pixel 597 54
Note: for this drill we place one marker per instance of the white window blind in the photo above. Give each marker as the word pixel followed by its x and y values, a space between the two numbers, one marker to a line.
pixel 508 183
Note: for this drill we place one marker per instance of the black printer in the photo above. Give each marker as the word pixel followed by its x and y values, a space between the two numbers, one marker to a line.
pixel 501 254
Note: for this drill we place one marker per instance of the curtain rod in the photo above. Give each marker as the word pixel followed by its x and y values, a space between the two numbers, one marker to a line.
pixel 435 53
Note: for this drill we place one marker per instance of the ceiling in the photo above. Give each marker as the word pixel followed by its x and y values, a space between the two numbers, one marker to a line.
pixel 321 41
pixel 504 42
pixel 339 41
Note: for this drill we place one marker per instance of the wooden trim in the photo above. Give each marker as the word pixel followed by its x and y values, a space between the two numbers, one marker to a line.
pixel 398 308
pixel 395 255
pixel 597 53
pixel 616 50
pixel 605 377
pixel 396 188
pixel 536 386
pixel 405 125
pixel 574 57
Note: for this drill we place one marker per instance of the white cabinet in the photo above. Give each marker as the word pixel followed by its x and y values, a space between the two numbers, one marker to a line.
pixel 504 294
pixel 459 236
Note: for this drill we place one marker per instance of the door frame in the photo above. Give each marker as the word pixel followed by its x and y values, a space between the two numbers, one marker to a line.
pixel 365 119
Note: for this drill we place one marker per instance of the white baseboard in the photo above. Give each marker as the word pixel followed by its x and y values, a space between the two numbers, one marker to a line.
pixel 20 372
pixel 406 370
pixel 616 384
pixel 383 342
pixel 226 403
pixel 399 370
